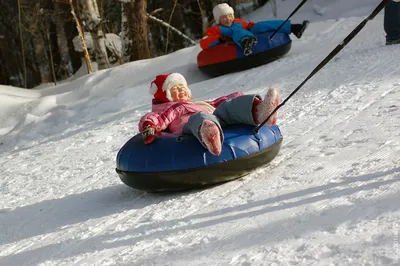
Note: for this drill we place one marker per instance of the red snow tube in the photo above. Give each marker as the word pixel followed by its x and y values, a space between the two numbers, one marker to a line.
pixel 228 57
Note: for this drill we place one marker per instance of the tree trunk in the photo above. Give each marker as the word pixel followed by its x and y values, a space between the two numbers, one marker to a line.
pixel 207 15
pixel 125 34
pixel 70 31
pixel 63 70
pixel 233 4
pixel 4 74
pixel 39 29
pixel 136 12
pixel 93 18
pixel 10 45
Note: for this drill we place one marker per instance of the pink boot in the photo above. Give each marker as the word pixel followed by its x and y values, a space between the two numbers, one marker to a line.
pixel 265 108
pixel 211 136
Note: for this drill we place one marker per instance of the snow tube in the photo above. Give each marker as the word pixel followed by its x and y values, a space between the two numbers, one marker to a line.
pixel 178 161
pixel 227 58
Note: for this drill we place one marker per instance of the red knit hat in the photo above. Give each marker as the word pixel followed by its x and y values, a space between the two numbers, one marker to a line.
pixel 163 83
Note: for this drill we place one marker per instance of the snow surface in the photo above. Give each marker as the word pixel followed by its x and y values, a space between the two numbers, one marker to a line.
pixel 331 196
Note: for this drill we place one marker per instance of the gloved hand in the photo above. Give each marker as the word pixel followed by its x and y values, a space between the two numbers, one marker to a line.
pixel 149 133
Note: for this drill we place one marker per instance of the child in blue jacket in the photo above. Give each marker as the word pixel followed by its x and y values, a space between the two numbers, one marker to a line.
pixel 241 32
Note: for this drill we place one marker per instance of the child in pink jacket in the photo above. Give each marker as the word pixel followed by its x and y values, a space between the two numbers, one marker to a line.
pixel 173 110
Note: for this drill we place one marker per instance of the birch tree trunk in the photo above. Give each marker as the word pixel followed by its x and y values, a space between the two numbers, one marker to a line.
pixel 125 35
pixel 92 15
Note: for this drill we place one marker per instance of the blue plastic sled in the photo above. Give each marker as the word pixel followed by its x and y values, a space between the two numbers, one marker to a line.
pixel 178 161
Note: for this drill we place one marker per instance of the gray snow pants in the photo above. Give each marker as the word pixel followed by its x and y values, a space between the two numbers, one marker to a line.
pixel 234 111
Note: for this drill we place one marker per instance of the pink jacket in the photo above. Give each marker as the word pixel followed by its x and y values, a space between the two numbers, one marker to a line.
pixel 172 116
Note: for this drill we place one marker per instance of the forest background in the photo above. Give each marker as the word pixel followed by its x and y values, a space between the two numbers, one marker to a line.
pixel 48 41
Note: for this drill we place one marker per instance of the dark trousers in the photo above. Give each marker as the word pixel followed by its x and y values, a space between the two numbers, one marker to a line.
pixel 391 21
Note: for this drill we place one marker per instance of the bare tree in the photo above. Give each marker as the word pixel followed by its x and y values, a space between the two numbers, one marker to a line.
pixel 62 42
pixel 135 12
pixel 169 22
pixel 36 37
pixel 4 72
pixel 173 29
pixel 82 38
pixel 206 7
pixel 125 34
pixel 22 40
pixel 93 21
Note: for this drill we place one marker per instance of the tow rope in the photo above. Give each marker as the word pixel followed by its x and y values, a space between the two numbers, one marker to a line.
pixel 329 57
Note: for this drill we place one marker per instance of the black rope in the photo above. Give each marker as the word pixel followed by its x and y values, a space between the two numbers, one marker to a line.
pixel 329 57
pixel 297 8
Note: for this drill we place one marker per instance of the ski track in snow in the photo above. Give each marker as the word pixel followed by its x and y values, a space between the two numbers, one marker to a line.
pixel 330 197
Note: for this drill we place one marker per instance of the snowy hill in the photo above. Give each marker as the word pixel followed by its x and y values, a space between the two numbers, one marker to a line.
pixel 331 196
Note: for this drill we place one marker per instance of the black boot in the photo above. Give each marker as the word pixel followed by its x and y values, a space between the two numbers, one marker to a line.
pixel 391 42
pixel 247 44
pixel 298 29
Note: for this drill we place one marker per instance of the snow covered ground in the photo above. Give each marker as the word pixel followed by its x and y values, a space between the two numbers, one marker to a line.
pixel 331 196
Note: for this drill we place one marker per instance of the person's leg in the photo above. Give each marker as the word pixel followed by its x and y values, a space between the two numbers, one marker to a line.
pixel 238 34
pixel 271 25
pixel 249 109
pixel 263 109
pixel 207 129
pixel 246 109
pixel 237 110
pixel 288 27
pixel 391 22
pixel 243 38
pixel 247 43
pixel 298 29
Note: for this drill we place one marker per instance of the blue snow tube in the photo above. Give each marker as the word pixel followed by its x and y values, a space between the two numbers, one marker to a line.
pixel 178 161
